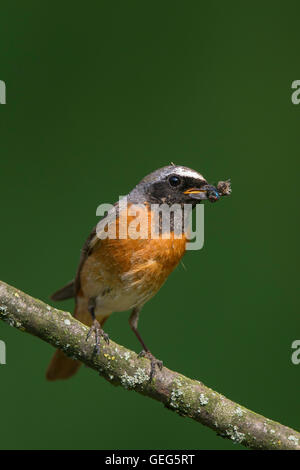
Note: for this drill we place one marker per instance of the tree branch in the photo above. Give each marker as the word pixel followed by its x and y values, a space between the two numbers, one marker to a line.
pixel 120 366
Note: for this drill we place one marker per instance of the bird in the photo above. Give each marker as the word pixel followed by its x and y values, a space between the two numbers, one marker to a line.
pixel 123 273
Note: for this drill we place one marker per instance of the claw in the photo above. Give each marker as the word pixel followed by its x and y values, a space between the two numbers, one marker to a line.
pixel 154 362
pixel 96 328
pixel 105 337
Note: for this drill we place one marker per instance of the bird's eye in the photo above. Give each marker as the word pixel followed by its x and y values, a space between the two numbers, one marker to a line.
pixel 174 180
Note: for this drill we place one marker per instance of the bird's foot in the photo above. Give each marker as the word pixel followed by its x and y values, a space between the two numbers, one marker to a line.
pixel 96 328
pixel 154 362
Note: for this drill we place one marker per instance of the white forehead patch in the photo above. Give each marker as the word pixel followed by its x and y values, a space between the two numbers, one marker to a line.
pixel 181 171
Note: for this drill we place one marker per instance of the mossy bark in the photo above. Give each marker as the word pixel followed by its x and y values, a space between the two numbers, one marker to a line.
pixel 120 366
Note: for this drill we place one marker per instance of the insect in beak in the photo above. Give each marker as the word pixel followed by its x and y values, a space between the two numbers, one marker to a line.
pixel 205 192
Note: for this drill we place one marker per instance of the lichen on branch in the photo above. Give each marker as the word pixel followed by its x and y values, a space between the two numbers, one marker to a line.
pixel 123 367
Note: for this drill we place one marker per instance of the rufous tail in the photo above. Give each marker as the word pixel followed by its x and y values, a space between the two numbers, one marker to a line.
pixel 62 366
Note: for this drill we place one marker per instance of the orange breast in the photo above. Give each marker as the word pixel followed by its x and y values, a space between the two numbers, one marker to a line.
pixel 135 268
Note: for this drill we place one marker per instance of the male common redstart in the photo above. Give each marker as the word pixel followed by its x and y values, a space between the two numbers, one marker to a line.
pixel 122 273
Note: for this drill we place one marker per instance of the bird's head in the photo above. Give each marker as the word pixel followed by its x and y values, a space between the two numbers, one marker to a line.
pixel 174 185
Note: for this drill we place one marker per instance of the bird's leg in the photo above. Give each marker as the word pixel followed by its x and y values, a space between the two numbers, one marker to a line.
pixel 133 322
pixel 96 327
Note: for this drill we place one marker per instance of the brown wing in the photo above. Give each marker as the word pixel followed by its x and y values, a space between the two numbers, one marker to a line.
pixel 73 287
pixel 70 290
pixel 91 242
pixel 87 249
pixel 66 292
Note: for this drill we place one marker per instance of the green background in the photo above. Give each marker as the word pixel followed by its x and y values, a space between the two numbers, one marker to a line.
pixel 99 94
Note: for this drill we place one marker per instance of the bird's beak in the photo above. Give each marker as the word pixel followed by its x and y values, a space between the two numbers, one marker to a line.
pixel 205 192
